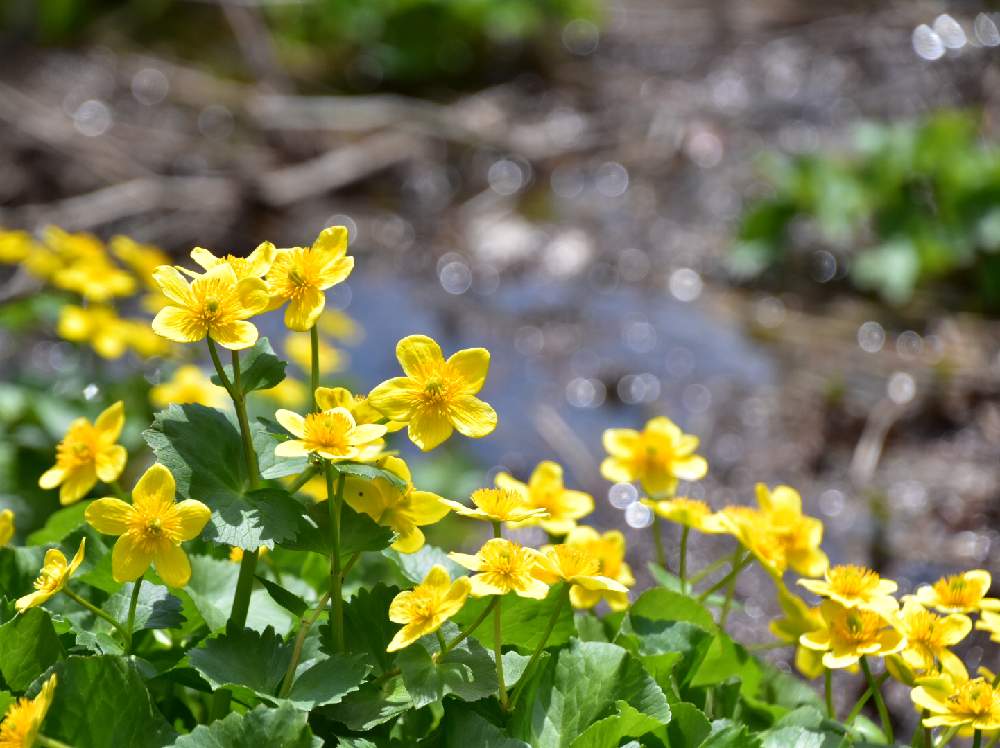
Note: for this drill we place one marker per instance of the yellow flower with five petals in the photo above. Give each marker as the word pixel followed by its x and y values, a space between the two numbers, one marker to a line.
pixel 340 397
pixel 959 593
pixel 254 265
pixel 573 565
pixel 23 719
pixel 966 704
pixel 497 505
pixel 425 608
pixel 300 275
pixel 332 434
pixel 436 396
pixel 545 490
pixel 502 566
pixel 215 304
pixel 657 457
pixel 150 529
pixel 849 634
pixel 55 573
pixel 87 452
pixel 928 637
pixel 856 587
pixel 609 550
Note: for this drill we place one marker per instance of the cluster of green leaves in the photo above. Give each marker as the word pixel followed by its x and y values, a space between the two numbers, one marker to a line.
pixel 402 42
pixel 913 205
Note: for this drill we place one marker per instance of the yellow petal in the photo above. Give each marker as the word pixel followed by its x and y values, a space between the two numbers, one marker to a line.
pixel 400 607
pixel 425 508
pixel 235 335
pixel 690 468
pixel 111 421
pixel 260 260
pixel 155 489
pixel 292 421
pixel 291 448
pixel 328 398
pixel 536 589
pixel 32 600
pixel 479 587
pixel 472 563
pixel 52 478
pixel 129 559
pixel 77 558
pixel 193 516
pixel 111 463
pixel 77 484
pixel 205 258
pixel 395 398
pixel 336 272
pixel 428 429
pixel 179 325
pixel 109 516
pixel 620 442
pixel 472 417
pixel 405 637
pixel 410 541
pixel 303 311
pixel 173 285
pixel 367 432
pixel 332 242
pixel 664 428
pixel 419 355
pixel 172 565
pixel 471 366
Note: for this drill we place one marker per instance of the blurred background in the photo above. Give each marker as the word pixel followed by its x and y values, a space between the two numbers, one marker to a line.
pixel 776 222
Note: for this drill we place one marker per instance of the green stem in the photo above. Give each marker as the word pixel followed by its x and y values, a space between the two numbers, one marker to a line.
pixel 97 612
pixel 130 625
pixel 828 691
pixel 733 573
pixel 300 640
pixel 661 556
pixel 683 564
pixel 314 363
pixel 244 589
pixel 497 530
pixel 883 713
pixel 718 563
pixel 977 739
pixel 553 619
pixel 50 742
pixel 856 709
pixel 727 604
pixel 239 400
pixel 441 641
pixel 498 651
pixel 334 500
pixel 118 491
pixel 948 735
pixel 304 477
pixel 468 631
pixel 349 565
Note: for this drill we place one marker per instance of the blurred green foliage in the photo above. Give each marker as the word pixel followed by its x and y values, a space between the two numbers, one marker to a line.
pixel 344 42
pixel 912 206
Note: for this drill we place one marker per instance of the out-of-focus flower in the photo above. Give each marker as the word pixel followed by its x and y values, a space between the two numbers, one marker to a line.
pixel 425 608
pixel 332 434
pixel 989 621
pixel 288 393
pixel 692 513
pixel 573 565
pixel 55 573
pixel 856 587
pixel 545 490
pixel 189 384
pixel 15 246
pixel 969 704
pixel 99 326
pixel 300 275
pixel 436 396
pixel 657 457
pixel 336 324
pixel 960 593
pixel 85 267
pixel 6 526
pixel 141 259
pixel 609 550
pixel 23 720
pixel 299 350
pixel 150 529
pixel 405 511
pixel 501 567
pixel 928 637
pixel 496 505
pixel 850 634
pixel 87 452
pixel 254 265
pixel 215 304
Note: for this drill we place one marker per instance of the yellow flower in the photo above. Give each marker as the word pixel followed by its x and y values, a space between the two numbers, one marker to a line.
pixel 848 634
pixel 337 324
pixel 969 704
pixel 6 526
pixel 15 246
pixel 800 536
pixel 289 393
pixel 497 505
pixel 692 513
pixel 928 637
pixel 55 573
pixel 989 621
pixel 573 565
pixel 99 326
pixel 151 528
pixel 236 553
pixel 254 265
pixel 404 511
pixel 657 457
pixel 215 304
pixel 855 587
pixel 300 276
pixel 23 720
pixel 144 341
pixel 501 567
pixel 86 453
pixel 299 350
pixel 961 593
pixel 427 606
pixel 314 488
pixel 189 384
pixel 545 490
pixel 609 550
pixel 328 398
pixel 436 396
pixel 85 267
pixel 332 434
pixel 798 619
pixel 142 259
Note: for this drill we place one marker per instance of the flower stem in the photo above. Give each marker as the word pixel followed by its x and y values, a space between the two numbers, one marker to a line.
pixel 661 556
pixel 334 500
pixel 856 709
pixel 239 400
pixel 130 625
pixel 304 477
pixel 498 651
pixel 314 363
pixel 734 572
pixel 828 692
pixel 704 572
pixel 683 563
pixel 50 742
pixel 540 648
pixel 468 631
pixel 300 639
pixel 441 641
pixel 883 713
pixel 977 739
pixel 947 736
pixel 497 530
pixel 96 611
pixel 727 604
pixel 118 491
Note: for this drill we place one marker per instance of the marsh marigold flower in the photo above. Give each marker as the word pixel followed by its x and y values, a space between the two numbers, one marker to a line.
pixel 85 267
pixel 657 457
pixel 23 720
pixel 99 326
pixel 609 550
pixel 798 619
pixel 86 453
pixel 855 587
pixel 54 575
pixel 960 593
pixel 501 567
pixel 328 398
pixel 849 634
pixel 692 513
pixel 405 511
pixel 427 606
pixel 968 704
pixel 545 490
pixel 215 304
pixel 150 529
pixel 573 565
pixel 798 535
pixel 254 265
pixel 928 637
pixel 332 434
pixel 15 246
pixel 189 384
pixel 300 275
pixel 6 527
pixel 496 505
pixel 436 396
pixel 989 622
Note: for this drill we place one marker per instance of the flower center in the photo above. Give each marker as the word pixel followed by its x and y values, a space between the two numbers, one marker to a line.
pixel 974 697
pixel 80 446
pixel 853 581
pixel 957 592
pixel 497 502
pixel 327 431
pixel 859 626
pixel 574 562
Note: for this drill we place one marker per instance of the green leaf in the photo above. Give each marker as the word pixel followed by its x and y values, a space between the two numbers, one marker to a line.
pixel 260 368
pixel 800 737
pixel 372 705
pixel 358 533
pixel 672 582
pixel 156 607
pixel 367 625
pixel 628 723
pixel 524 620
pixel 328 681
pixel 414 566
pixel 260 518
pixel 256 661
pixel 212 588
pixel 60 524
pixel 102 701
pixel 467 671
pixel 286 599
pixel 264 442
pixel 664 605
pixel 370 472
pixel 725 734
pixel 463 728
pixel 586 684
pixel 28 647
pixel 284 726
pixel 688 725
